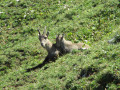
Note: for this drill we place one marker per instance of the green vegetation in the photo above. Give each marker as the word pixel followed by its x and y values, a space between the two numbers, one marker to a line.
pixel 90 21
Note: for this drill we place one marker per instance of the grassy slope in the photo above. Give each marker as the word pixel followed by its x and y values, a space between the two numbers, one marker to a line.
pixel 81 20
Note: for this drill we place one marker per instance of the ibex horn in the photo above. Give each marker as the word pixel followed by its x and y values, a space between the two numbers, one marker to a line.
pixel 44 30
pixel 58 35
pixel 63 36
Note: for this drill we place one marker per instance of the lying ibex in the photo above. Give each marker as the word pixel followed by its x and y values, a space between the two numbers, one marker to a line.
pixel 68 46
pixel 53 52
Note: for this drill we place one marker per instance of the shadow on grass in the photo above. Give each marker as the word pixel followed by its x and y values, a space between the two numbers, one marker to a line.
pixel 106 79
pixel 47 60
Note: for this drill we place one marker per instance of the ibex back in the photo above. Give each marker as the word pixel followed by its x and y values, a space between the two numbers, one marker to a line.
pixel 68 46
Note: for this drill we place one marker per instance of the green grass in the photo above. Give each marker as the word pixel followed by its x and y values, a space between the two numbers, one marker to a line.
pixel 80 20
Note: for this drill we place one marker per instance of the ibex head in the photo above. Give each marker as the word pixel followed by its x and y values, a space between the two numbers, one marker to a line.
pixel 59 39
pixel 43 38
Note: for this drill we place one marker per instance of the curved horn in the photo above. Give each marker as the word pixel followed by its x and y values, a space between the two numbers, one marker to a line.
pixel 44 30
pixel 57 35
pixel 62 36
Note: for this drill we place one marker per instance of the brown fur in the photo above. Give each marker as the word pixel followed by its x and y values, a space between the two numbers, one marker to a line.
pixel 53 52
pixel 67 46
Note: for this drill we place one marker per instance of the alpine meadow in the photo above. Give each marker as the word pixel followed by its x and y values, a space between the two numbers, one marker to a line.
pixel 93 22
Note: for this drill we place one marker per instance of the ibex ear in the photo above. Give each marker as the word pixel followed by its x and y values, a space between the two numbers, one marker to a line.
pixel 39 32
pixel 47 33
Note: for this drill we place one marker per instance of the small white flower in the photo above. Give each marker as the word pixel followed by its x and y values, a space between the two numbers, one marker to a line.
pixel 104 51
pixel 25 15
pixel 86 41
pixel 65 6
pixel 17 0
pixel 59 2
pixel 32 11
pixel 1 12
pixel 74 68
pixel 84 48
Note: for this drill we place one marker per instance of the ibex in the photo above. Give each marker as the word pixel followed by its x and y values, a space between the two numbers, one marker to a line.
pixel 68 46
pixel 53 52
